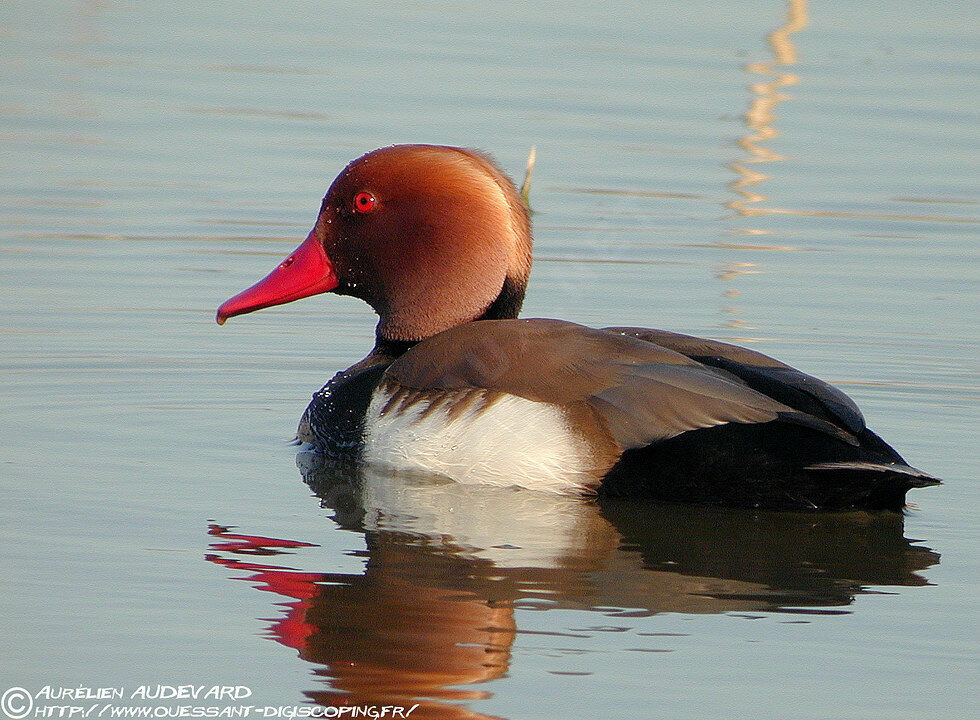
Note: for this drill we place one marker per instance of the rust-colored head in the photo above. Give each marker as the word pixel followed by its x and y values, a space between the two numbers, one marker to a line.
pixel 429 236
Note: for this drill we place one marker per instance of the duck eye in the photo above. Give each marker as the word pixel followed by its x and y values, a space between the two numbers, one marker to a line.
pixel 364 202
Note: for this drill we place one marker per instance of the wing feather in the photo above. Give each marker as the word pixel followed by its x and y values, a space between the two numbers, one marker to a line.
pixel 765 374
pixel 640 392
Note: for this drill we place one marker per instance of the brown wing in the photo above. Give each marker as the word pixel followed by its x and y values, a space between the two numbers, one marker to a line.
pixel 762 373
pixel 641 392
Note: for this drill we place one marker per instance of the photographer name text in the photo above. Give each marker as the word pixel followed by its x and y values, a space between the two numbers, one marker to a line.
pixel 146 692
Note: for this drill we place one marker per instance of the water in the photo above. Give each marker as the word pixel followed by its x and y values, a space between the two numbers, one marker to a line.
pixel 800 179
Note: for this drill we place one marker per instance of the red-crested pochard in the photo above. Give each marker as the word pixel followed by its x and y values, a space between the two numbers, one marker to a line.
pixel 438 241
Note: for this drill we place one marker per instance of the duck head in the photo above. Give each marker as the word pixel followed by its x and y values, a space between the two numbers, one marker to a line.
pixel 430 236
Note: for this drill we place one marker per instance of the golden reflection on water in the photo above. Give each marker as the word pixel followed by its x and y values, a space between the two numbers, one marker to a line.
pixel 760 122
pixel 761 115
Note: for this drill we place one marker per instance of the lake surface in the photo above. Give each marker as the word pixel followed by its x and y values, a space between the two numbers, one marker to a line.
pixel 799 179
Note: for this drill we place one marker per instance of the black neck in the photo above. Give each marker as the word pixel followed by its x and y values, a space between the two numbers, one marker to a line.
pixel 507 306
pixel 386 350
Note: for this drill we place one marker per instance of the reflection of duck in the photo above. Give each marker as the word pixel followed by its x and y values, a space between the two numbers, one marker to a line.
pixel 436 611
pixel 436 237
pixel 387 637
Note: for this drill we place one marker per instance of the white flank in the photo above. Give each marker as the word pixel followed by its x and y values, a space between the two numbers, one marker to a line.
pixel 511 442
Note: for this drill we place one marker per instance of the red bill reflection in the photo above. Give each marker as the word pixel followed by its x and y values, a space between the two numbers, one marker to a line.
pixel 387 637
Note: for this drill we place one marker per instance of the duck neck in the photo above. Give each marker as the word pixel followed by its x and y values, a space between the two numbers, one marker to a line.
pixel 387 350
pixel 506 306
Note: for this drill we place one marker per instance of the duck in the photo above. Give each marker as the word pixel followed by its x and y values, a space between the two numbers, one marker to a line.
pixel 437 240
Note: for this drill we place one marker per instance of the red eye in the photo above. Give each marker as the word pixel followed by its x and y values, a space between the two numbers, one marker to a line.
pixel 364 202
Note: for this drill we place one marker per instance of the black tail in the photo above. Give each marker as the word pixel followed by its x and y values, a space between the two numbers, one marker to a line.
pixel 780 466
pixel 872 485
